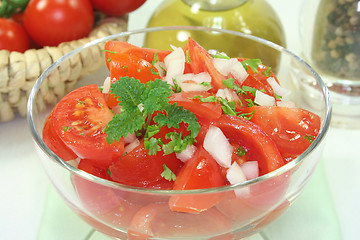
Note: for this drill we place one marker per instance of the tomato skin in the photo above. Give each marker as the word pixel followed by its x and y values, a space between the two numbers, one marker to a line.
pixel 140 169
pixel 50 22
pixel 116 7
pixel 205 110
pixel 201 61
pixel 148 54
pixel 122 65
pixel 79 120
pixel 288 127
pixel 13 36
pixel 53 141
pixel 199 172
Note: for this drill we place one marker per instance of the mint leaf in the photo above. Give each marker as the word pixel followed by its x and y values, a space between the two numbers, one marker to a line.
pixel 129 121
pixel 129 91
pixel 175 115
pixel 155 96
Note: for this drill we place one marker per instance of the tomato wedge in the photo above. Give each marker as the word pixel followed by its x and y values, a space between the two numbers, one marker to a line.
pixel 206 110
pixel 122 64
pixel 257 144
pixel 138 168
pixel 199 172
pixel 157 221
pixel 79 120
pixel 115 47
pixel 292 129
pixel 201 61
pixel 53 141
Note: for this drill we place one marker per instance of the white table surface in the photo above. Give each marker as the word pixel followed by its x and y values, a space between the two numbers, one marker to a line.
pixel 328 208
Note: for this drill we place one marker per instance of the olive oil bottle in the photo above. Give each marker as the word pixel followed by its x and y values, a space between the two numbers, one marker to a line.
pixel 255 17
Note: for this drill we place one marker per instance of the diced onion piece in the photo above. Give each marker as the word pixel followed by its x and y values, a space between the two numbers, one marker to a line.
pixel 128 148
pixel 130 138
pixel 174 64
pixel 236 175
pixel 160 67
pixel 288 104
pixel 187 153
pixel 193 87
pixel 263 99
pixel 218 146
pixel 227 94
pixel 198 78
pixel 250 169
pixel 106 85
pixel 279 90
pixel 231 66
pixel 74 162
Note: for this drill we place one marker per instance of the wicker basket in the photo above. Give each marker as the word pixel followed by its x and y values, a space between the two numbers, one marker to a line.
pixel 19 71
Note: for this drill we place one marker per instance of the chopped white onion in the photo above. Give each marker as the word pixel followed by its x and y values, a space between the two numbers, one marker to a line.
pixel 174 64
pixel 279 90
pixel 75 162
pixel 231 66
pixel 227 94
pixel 218 146
pixel 193 87
pixel 128 148
pixel 106 85
pixel 250 169
pixel 187 153
pixel 288 104
pixel 236 175
pixel 160 67
pixel 263 99
pixel 130 138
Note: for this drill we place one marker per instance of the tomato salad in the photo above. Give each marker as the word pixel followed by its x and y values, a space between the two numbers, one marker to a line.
pixel 182 119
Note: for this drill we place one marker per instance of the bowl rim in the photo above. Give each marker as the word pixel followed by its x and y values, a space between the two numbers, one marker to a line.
pixel 280 171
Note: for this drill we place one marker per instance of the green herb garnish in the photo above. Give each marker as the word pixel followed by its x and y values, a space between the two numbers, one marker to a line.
pixel 168 174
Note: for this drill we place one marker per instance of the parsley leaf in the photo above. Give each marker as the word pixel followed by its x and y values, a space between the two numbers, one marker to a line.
pixel 240 151
pixel 309 138
pixel 168 174
pixel 207 99
pixel 252 63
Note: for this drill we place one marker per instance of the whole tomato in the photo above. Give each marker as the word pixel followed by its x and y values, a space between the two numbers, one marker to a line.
pixel 117 7
pixel 13 36
pixel 50 22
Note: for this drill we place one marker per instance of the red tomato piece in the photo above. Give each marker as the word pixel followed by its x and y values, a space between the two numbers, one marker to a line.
pixel 79 120
pixel 292 129
pixel 50 22
pixel 199 172
pixel 201 61
pixel 138 168
pixel 148 54
pixel 121 65
pixel 257 144
pixel 116 7
pixel 88 167
pixel 13 36
pixel 53 141
pixel 156 220
pixel 206 110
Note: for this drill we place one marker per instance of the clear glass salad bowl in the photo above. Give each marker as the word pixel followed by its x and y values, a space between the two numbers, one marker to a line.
pixel 124 212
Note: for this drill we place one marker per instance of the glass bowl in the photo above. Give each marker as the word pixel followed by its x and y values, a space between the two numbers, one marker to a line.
pixel 124 212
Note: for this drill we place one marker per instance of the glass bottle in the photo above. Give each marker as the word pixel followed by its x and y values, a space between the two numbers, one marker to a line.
pixel 255 17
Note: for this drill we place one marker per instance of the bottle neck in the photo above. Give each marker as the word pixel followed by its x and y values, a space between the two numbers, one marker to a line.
pixel 215 5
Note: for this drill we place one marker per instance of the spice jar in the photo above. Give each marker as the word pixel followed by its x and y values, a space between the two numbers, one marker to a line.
pixel 336 41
